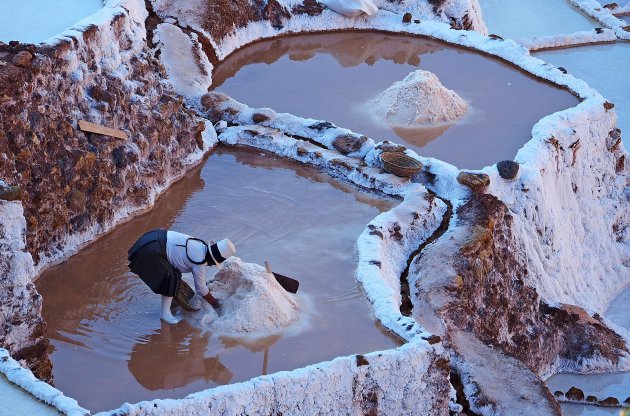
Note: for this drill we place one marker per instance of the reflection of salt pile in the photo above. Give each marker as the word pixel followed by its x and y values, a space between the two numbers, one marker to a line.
pixel 418 99
pixel 251 301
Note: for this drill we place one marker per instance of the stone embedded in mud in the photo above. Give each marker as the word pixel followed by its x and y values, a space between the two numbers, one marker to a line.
pixel 259 118
pixel 418 100
pixel 76 200
pixel 309 7
pixel 613 139
pixel 22 58
pixel 575 394
pixel 388 146
pixel 10 193
pixel 210 103
pixel 347 143
pixel 508 169
pixel 475 181
pixel 275 13
pixel 609 402
pixel 100 94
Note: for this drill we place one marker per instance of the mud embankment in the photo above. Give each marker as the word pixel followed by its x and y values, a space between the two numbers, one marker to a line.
pixel 75 185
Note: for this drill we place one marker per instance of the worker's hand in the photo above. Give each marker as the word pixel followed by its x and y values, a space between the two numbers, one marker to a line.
pixel 211 300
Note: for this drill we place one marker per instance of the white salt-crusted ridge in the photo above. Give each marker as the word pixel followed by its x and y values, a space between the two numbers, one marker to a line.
pixel 251 299
pixel 188 67
pixel 419 99
pixel 604 16
pixel 585 37
pixel 43 391
pixel 404 381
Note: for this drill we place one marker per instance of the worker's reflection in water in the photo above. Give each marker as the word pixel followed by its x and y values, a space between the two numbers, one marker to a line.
pixel 172 357
pixel 254 345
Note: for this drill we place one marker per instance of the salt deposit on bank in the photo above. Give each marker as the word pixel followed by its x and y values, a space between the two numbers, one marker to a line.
pixel 251 299
pixel 419 99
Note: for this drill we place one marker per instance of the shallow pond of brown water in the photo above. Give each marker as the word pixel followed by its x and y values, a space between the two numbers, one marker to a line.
pixel 333 76
pixel 108 344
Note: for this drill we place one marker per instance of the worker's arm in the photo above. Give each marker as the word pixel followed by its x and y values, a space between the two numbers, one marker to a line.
pixel 211 300
pixel 199 276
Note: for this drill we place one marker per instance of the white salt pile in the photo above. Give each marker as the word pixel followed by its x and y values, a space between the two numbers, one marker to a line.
pixel 251 299
pixel 417 100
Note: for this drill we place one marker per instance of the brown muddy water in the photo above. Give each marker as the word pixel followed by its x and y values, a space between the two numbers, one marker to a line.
pixel 108 344
pixel 333 76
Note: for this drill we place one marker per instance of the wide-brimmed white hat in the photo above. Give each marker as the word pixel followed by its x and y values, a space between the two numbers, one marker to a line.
pixel 222 250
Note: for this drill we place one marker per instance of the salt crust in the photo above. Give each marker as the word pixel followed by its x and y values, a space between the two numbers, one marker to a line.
pixel 189 77
pixel 400 378
pixel 574 39
pixel 603 15
pixel 419 99
pixel 43 391
pixel 351 8
pixel 251 299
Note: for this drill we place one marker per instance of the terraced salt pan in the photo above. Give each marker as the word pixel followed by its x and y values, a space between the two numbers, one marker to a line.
pixel 516 19
pixel 332 76
pixel 34 21
pixel 103 322
pixel 602 66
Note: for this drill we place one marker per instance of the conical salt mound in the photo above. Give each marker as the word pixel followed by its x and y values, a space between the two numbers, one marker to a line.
pixel 252 301
pixel 419 99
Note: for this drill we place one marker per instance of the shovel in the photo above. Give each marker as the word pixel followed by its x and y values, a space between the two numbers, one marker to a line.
pixel 288 284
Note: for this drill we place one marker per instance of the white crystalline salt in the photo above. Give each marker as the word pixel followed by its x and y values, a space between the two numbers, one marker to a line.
pixel 251 299
pixel 352 8
pixel 419 99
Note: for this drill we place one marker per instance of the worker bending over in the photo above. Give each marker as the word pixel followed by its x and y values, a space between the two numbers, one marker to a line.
pixel 160 257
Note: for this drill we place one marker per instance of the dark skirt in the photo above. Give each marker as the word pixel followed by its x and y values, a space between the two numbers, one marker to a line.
pixel 147 258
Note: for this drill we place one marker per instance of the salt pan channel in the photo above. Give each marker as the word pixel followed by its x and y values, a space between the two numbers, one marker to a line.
pixel 332 76
pixel 35 21
pixel 103 322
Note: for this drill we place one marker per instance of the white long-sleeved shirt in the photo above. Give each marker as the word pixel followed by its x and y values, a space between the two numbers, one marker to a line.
pixel 176 254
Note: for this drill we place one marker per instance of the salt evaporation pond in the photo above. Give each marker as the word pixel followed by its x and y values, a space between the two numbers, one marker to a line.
pixel 517 19
pixel 332 76
pixel 34 21
pixel 603 67
pixel 108 345
pixel 601 386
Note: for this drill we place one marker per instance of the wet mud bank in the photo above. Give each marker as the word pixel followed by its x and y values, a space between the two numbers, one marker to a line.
pixel 68 186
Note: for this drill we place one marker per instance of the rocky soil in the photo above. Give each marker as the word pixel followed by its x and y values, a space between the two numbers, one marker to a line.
pixel 74 184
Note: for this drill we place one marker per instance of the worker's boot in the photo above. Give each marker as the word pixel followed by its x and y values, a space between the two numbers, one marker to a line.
pixel 166 314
